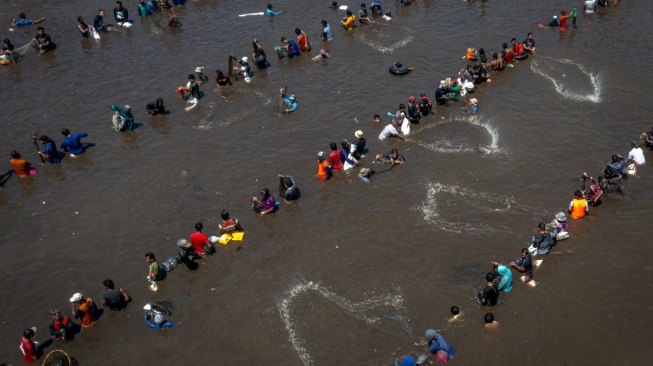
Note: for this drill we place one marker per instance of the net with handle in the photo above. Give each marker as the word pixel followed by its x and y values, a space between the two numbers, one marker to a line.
pixel 57 358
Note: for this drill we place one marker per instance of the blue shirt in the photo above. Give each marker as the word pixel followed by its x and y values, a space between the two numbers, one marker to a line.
pixel 20 23
pixel 272 12
pixel 51 151
pixel 73 143
pixel 153 325
pixel 292 105
pixel 326 33
pixel 439 344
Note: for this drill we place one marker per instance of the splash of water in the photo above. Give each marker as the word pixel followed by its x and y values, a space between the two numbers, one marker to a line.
pixel 358 310
pixel 445 146
pixel 432 213
pixel 594 97
pixel 362 37
pixel 206 124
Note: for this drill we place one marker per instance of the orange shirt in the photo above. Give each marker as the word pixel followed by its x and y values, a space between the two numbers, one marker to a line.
pixel 321 169
pixel 578 208
pixel 21 167
pixel 88 318
pixel 563 21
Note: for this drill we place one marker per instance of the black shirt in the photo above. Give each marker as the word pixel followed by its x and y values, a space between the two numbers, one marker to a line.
pixel 114 299
pixel 491 295
pixel 121 15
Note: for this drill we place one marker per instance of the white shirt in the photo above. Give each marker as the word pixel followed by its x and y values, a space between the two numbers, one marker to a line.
pixel 388 131
pixel 590 6
pixel 637 155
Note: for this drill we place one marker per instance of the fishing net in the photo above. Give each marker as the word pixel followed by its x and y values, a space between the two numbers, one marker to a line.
pixel 58 358
pixel 28 50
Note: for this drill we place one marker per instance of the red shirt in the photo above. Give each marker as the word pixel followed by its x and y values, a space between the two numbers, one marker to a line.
pixel 198 240
pixel 563 21
pixel 509 56
pixel 303 41
pixel 29 351
pixel 335 161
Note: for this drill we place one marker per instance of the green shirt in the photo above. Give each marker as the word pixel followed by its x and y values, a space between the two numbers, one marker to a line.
pixel 154 268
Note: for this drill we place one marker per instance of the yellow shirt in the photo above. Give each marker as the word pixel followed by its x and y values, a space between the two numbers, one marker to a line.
pixel 349 22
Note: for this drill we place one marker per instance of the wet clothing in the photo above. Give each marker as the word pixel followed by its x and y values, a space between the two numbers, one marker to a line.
pixel 128 124
pixel 194 87
pixel 52 153
pixel 335 161
pixel 23 22
pixel 62 328
pixel 617 168
pixel 323 170
pixel 349 22
pixel 142 10
pixel 293 49
pixel 413 114
pixel 222 81
pixel 424 107
pixel 440 344
pixel 120 15
pixel 543 242
pixel 288 188
pixel 229 226
pixel 440 94
pixel 362 14
pixel 530 43
pixel 490 294
pixel 579 208
pixel 510 55
pixel 156 107
pixel 154 268
pixel 388 131
pixel 98 24
pixel 505 282
pixel 563 21
pixel 304 44
pixel 262 62
pixel 268 203
pixel 73 143
pixel 292 104
pixel 153 325
pixel 271 12
pixel 86 311
pixel 326 33
pixel 44 39
pixel 114 299
pixel 637 155
pixel 388 157
pixel 21 167
pixel 28 348
pixel 527 264
pixel 358 148
pixel 199 240
pixel 518 49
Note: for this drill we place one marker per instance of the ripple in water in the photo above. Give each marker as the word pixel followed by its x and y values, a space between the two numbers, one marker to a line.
pixel 557 70
pixel 446 145
pixel 483 203
pixel 357 310
pixel 243 110
pixel 379 45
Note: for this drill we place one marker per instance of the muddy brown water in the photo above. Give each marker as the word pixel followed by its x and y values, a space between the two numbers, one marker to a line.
pixel 353 273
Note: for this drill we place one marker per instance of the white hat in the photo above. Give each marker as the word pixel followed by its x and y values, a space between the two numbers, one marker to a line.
pixel 358 134
pixel 76 297
pixel 443 83
pixel 147 307
pixel 158 318
pixel 199 68
pixel 183 244
pixel 473 101
pixel 245 59
pixel 320 155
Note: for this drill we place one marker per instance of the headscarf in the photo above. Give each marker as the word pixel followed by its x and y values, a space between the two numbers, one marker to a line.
pixel 506 279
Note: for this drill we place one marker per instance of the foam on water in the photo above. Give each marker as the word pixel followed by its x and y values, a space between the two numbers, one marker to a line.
pixel 433 213
pixel 595 81
pixel 357 310
pixel 445 146
pixel 378 44
pixel 206 124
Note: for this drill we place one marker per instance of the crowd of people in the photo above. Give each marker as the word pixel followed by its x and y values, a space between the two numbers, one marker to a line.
pixel 343 158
